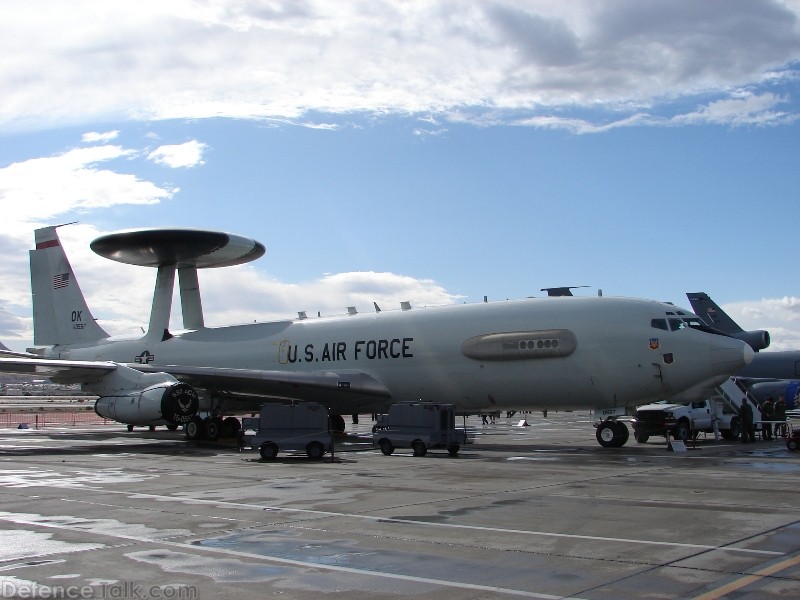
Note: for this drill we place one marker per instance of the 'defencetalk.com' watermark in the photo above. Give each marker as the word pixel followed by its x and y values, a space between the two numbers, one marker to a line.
pixel 122 590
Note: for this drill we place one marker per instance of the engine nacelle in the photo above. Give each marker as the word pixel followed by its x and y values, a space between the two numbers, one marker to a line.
pixel 757 339
pixel 135 398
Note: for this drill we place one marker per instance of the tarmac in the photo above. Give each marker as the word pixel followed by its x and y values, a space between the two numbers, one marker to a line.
pixel 535 512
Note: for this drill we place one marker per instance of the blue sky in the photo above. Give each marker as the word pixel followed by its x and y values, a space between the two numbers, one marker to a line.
pixel 422 151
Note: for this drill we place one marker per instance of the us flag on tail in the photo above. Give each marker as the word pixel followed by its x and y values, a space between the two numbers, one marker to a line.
pixel 60 281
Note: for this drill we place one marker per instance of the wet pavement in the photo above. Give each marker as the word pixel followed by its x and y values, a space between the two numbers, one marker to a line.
pixel 535 512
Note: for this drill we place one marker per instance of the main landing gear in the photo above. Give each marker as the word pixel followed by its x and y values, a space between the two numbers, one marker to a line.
pixel 612 433
pixel 215 427
pixel 212 428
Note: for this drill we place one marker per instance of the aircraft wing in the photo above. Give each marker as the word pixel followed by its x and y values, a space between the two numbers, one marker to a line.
pixel 321 385
pixel 318 385
pixel 59 371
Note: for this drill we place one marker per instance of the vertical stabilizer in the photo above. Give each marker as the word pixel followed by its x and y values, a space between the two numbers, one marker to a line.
pixel 705 308
pixel 60 314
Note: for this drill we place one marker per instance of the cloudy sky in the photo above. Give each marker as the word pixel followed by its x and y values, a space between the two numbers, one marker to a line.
pixel 430 151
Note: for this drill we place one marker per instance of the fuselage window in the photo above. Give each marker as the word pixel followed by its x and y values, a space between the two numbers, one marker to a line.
pixel 659 324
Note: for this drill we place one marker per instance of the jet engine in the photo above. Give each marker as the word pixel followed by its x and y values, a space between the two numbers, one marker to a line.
pixel 757 339
pixel 136 398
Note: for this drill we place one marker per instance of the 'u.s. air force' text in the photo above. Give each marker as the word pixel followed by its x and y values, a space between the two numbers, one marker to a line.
pixel 342 351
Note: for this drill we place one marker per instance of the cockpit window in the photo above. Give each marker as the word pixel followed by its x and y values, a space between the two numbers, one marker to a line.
pixel 694 323
pixel 659 324
pixel 676 324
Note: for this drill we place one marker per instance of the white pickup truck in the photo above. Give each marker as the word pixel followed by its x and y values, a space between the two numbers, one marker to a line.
pixel 682 421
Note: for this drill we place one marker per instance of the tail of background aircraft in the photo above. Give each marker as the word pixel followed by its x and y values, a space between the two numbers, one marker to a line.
pixel 715 317
pixel 60 313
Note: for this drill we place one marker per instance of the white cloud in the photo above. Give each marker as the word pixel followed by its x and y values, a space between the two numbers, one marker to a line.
pixel 78 62
pixel 779 316
pixel 94 136
pixel 176 156
pixel 40 188
pixel 120 296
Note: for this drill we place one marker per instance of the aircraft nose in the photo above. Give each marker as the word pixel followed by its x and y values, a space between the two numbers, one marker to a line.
pixel 728 355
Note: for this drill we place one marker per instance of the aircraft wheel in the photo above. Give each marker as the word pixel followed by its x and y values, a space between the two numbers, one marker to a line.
pixel 624 434
pixel 607 434
pixel 315 451
pixel 213 428
pixel 453 449
pixel 268 450
pixel 337 423
pixel 420 449
pixel 172 427
pixel 195 429
pixel 386 446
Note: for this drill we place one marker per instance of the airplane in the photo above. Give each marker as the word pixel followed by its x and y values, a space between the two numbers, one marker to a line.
pixel 705 308
pixel 769 373
pixel 600 353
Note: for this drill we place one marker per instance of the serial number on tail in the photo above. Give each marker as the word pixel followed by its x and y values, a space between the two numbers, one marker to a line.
pixel 396 348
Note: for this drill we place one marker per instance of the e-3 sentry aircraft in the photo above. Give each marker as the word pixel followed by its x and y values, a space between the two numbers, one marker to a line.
pixel 559 353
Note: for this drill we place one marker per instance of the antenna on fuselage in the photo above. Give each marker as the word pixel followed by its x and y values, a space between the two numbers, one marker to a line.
pixel 173 250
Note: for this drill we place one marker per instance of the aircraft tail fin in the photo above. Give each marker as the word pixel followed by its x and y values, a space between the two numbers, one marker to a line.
pixel 705 308
pixel 715 317
pixel 60 313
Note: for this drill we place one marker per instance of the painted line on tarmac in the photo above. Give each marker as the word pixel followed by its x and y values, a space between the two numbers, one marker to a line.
pixel 748 579
pixel 524 532
pixel 22 519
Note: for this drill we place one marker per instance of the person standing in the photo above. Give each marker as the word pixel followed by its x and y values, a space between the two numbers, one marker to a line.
pixel 780 415
pixel 767 414
pixel 746 419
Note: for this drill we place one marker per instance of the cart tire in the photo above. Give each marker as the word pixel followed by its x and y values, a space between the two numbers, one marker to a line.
pixel 791 444
pixel 420 449
pixel 268 450
pixel 386 446
pixel 315 451
pixel 453 449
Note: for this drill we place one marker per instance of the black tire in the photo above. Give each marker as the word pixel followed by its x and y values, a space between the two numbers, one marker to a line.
pixel 231 426
pixel 386 446
pixel 268 450
pixel 607 434
pixel 453 449
pixel 420 449
pixel 624 434
pixel 641 438
pixel 315 451
pixel 172 427
pixel 130 427
pixel 213 428
pixel 735 431
pixel 682 431
pixel 195 429
pixel 791 444
pixel 337 423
